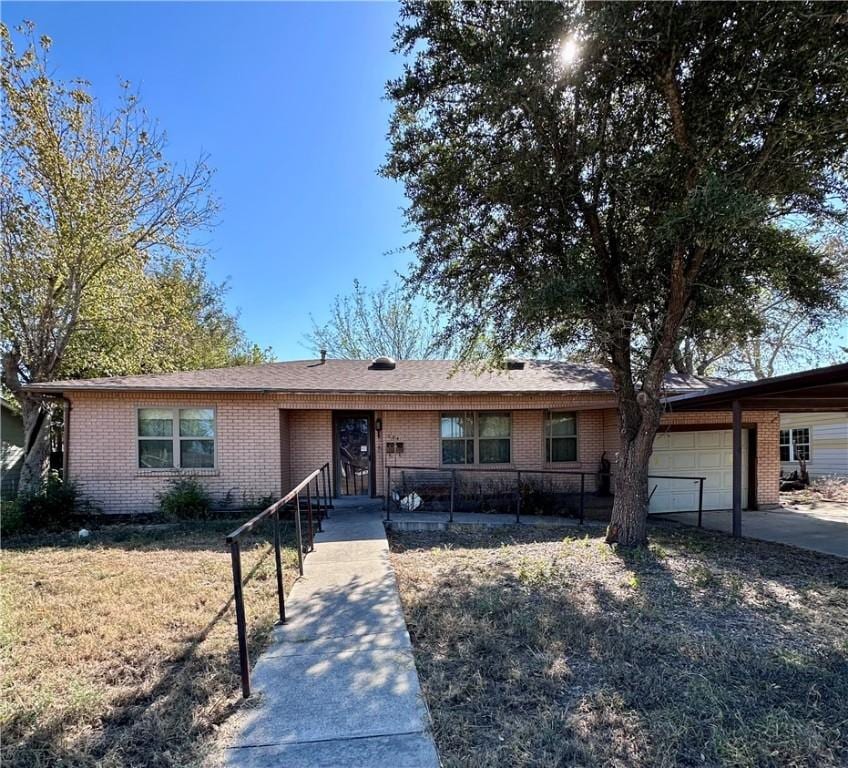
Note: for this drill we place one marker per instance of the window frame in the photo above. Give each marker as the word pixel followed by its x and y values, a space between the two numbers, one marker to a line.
pixel 465 439
pixel 548 438
pixel 477 437
pixel 474 439
pixel 176 438
pixel 792 443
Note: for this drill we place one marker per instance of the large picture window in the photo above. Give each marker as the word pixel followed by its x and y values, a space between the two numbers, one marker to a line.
pixel 485 435
pixel 176 438
pixel 795 444
pixel 560 436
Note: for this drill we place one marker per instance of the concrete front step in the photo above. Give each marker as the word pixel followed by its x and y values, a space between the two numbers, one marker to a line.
pixel 396 750
pixel 348 694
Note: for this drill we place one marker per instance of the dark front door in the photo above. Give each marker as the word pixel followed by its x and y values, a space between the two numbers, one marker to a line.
pixel 353 454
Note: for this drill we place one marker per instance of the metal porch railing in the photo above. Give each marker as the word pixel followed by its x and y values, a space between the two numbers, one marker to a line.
pixel 311 495
pixel 519 475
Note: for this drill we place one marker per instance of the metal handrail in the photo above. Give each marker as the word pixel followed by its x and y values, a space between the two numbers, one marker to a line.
pixel 322 490
pixel 518 472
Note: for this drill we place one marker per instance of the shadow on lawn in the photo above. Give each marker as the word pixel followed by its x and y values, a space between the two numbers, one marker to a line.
pixel 158 724
pixel 570 653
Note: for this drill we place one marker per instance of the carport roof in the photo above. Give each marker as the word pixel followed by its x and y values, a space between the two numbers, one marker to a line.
pixel 820 389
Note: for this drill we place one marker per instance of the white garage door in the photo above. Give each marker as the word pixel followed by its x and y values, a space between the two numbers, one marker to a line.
pixel 706 454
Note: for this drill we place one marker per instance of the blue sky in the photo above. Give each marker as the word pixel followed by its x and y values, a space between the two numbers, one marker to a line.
pixel 288 99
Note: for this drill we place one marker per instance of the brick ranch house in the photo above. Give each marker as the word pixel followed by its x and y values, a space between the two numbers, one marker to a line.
pixel 257 430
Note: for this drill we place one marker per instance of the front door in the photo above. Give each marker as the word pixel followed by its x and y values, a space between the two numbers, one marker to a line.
pixel 353 454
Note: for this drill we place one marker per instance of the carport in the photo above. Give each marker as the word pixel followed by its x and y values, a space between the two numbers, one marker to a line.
pixel 820 389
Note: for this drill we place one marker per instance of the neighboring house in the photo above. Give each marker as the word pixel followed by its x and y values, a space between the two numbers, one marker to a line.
pixel 260 429
pixel 820 439
pixel 11 449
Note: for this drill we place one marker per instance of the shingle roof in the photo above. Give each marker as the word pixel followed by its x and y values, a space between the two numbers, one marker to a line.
pixel 357 377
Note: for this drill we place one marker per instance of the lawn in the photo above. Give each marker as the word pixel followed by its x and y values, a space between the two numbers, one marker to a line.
pixel 547 648
pixel 122 651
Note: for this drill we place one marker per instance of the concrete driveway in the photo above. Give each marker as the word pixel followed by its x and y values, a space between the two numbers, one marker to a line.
pixel 822 527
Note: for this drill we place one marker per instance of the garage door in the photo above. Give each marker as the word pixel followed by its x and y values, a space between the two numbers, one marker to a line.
pixel 706 454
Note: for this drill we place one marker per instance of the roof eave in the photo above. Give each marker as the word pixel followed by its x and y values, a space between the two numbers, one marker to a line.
pixel 53 390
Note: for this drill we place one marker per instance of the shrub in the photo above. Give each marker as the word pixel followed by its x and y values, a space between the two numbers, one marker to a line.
pixel 51 506
pixel 257 502
pixel 185 499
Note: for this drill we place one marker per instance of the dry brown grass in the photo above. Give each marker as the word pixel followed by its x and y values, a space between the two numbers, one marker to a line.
pixel 821 489
pixel 122 651
pixel 536 648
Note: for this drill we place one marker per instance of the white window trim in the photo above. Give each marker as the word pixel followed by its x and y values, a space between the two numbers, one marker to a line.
pixel 545 437
pixel 176 438
pixel 475 438
pixel 792 457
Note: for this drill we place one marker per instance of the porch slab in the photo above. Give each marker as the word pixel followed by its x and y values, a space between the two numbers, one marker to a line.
pixel 440 521
pixel 337 685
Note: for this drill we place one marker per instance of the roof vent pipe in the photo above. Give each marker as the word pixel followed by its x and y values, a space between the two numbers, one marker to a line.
pixel 323 356
pixel 383 363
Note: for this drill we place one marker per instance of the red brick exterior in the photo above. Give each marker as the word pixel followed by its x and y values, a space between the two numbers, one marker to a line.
pixel 266 443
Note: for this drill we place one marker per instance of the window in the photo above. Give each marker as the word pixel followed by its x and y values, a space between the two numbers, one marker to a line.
pixel 457 438
pixel 486 434
pixel 171 438
pixel 493 434
pixel 795 444
pixel 560 436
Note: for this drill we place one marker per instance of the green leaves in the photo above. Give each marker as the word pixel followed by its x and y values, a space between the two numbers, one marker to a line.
pixel 662 176
pixel 101 272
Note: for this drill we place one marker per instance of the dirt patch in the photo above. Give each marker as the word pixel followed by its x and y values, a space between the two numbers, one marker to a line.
pixel 540 648
pixel 122 651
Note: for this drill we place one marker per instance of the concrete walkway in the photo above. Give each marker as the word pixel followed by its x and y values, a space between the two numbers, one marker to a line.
pixel 822 530
pixel 337 686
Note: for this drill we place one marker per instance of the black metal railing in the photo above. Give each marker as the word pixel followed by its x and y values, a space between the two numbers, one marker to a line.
pixel 699 510
pixel 311 495
pixel 519 474
pixel 523 473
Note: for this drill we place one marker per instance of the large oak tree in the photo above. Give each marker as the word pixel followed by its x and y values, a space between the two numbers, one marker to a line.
pixel 603 174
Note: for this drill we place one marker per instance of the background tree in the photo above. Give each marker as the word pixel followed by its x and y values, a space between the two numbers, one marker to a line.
pixel 606 174
pixel 388 321
pixel 100 274
pixel 785 338
pixel 788 340
pixel 169 320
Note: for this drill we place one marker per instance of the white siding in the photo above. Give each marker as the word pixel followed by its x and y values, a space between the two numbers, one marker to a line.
pixel 828 442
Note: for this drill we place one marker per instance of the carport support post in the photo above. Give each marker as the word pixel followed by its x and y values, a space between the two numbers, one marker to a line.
pixel 737 469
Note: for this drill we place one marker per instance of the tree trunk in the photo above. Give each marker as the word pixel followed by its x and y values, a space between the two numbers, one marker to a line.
pixel 36 443
pixel 36 418
pixel 628 523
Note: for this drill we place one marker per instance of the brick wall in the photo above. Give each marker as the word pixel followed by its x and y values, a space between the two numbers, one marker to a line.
pixel 268 442
pixel 103 456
